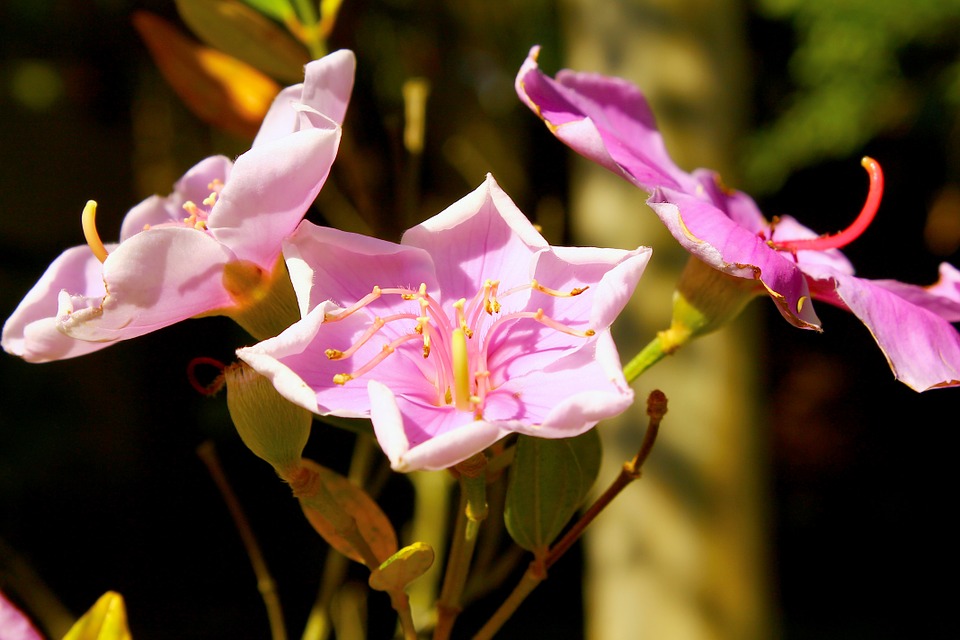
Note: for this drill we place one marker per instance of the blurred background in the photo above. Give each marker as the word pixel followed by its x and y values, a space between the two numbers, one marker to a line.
pixel 798 491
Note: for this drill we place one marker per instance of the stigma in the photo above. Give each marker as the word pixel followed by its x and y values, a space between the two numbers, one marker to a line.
pixel 88 221
pixel 851 233
pixel 454 341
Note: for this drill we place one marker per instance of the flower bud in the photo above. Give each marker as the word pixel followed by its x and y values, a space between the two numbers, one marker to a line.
pixel 271 426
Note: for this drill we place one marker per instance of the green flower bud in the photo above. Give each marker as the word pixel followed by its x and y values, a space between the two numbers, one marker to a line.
pixel 271 426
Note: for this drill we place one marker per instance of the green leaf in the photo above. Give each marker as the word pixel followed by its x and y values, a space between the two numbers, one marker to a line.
pixel 549 479
pixel 402 568
pixel 348 498
pixel 106 620
pixel 238 30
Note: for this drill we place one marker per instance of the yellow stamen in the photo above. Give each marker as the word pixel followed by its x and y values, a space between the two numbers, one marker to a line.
pixel 554 292
pixel 88 220
pixel 461 370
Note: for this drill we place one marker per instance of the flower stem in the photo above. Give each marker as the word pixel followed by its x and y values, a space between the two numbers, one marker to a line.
pixel 537 571
pixel 265 582
pixel 532 577
pixel 650 355
pixel 473 510
pixel 310 22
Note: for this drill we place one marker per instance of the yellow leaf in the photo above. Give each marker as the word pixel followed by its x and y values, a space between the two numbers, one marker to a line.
pixel 220 90
pixel 238 30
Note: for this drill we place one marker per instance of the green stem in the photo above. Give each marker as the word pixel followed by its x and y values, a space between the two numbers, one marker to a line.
pixel 650 355
pixel 311 28
pixel 265 582
pixel 473 510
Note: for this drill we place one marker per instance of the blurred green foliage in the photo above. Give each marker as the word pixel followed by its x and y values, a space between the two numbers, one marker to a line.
pixel 852 78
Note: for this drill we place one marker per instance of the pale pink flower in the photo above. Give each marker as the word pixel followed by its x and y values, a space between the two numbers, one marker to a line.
pixel 170 261
pixel 470 329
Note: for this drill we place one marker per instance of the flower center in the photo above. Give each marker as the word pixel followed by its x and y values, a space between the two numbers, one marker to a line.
pixel 198 215
pixel 196 218
pixel 456 344
pixel 851 233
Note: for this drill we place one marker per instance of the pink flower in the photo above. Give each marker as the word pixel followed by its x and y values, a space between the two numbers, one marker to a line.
pixel 169 264
pixel 609 121
pixel 14 625
pixel 471 328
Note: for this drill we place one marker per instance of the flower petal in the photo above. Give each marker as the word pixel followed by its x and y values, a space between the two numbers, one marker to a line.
pixel 329 264
pixel 326 89
pixel 942 298
pixel 195 185
pixel 269 191
pixel 441 439
pixel 604 119
pixel 481 236
pixel 31 330
pixel 567 397
pixel 921 347
pixel 704 231
pixel 153 280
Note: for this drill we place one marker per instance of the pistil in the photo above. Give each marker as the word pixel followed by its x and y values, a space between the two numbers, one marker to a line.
pixel 88 220
pixel 851 233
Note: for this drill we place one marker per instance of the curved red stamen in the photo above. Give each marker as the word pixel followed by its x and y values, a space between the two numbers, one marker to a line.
pixel 206 389
pixel 851 233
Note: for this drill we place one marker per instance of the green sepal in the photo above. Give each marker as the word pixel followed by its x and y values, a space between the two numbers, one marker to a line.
pixel 549 480
pixel 106 620
pixel 402 568
pixel 237 30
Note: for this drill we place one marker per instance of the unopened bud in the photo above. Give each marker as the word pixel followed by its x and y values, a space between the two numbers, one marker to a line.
pixel 271 426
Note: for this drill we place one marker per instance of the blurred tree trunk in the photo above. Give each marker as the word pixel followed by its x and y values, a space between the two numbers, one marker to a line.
pixel 683 553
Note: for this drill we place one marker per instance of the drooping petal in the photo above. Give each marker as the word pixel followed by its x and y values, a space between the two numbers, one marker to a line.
pixel 31 330
pixel 327 85
pixel 720 242
pixel 194 185
pixel 329 264
pixel 921 347
pixel 153 280
pixel 270 189
pixel 604 119
pixel 942 298
pixel 481 236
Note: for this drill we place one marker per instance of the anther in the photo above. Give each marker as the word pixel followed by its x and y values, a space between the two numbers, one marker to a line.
pixel 851 233
pixel 88 221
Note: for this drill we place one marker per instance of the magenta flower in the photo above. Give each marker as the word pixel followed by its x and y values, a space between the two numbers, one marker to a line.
pixel 609 121
pixel 471 328
pixel 169 264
